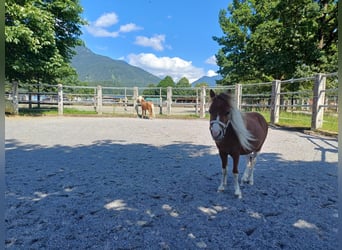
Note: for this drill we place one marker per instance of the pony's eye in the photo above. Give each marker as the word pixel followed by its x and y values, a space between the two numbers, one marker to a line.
pixel 228 112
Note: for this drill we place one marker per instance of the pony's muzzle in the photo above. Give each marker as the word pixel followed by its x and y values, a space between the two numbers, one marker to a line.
pixel 216 132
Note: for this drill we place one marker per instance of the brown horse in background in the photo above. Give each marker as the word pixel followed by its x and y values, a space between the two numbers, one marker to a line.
pixel 145 105
pixel 236 134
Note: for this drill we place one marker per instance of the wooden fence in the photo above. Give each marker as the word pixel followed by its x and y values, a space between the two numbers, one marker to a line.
pixel 272 96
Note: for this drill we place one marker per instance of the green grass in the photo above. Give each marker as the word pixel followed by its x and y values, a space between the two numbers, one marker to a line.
pixel 330 123
pixel 300 120
pixel 53 111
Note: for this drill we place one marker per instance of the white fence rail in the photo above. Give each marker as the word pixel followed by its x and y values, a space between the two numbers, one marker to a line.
pixel 292 94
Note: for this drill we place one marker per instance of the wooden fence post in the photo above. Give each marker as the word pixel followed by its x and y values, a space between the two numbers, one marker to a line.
pixel 135 97
pixel 197 102
pixel 202 102
pixel 60 99
pixel 15 100
pixel 168 100
pixel 99 100
pixel 318 102
pixel 275 101
pixel 160 102
pixel 238 94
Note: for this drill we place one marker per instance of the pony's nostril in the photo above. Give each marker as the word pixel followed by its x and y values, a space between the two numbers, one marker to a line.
pixel 215 133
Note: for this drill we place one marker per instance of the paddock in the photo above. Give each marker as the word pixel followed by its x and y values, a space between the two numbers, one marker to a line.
pixel 129 183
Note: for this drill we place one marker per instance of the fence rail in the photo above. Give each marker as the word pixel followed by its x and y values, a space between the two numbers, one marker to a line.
pixel 274 97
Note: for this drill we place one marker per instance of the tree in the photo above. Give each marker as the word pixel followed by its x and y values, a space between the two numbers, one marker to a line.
pixel 183 82
pixel 265 40
pixel 151 90
pixel 166 82
pixel 40 35
pixel 201 84
pixel 181 87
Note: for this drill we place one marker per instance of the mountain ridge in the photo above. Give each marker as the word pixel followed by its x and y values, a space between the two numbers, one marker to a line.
pixel 210 80
pixel 95 69
pixel 98 69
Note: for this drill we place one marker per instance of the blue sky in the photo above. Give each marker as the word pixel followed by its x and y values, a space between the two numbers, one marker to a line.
pixel 162 37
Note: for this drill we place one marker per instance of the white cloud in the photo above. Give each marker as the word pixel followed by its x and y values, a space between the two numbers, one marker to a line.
pixel 129 27
pixel 211 60
pixel 106 20
pixel 155 42
pixel 211 73
pixel 100 28
pixel 166 66
pixel 100 32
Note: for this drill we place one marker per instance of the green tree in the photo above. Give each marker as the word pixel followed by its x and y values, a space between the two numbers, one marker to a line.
pixel 151 90
pixel 166 82
pixel 40 35
pixel 265 40
pixel 181 87
pixel 183 82
pixel 201 84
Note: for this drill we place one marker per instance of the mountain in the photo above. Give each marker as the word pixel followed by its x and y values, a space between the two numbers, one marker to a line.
pixel 97 69
pixel 210 80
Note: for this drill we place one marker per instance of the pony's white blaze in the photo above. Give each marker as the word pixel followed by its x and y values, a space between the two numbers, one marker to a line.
pixel 216 131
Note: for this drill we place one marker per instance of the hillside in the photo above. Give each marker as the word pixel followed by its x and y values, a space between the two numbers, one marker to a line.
pixel 97 69
pixel 211 81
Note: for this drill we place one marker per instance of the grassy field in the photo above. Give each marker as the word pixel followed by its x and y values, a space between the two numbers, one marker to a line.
pixel 53 111
pixel 300 120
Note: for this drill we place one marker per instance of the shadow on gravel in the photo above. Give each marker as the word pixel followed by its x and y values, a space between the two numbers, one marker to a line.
pixel 119 195
pixel 323 145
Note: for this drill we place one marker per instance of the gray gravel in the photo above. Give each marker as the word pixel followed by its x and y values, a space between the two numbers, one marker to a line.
pixel 124 183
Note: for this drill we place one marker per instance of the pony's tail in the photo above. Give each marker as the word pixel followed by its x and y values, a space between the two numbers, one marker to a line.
pixel 152 108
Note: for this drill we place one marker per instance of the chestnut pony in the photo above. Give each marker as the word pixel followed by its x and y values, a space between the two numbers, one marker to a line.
pixel 236 134
pixel 146 106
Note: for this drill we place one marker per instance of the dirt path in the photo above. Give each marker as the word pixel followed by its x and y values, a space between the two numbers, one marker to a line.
pixel 124 183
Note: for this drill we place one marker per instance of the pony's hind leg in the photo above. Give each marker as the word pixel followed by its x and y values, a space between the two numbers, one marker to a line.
pixel 248 175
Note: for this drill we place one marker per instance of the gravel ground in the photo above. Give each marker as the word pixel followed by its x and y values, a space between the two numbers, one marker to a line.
pixel 128 183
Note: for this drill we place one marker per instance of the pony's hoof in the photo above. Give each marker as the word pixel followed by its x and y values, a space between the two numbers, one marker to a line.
pixel 246 181
pixel 239 196
pixel 220 189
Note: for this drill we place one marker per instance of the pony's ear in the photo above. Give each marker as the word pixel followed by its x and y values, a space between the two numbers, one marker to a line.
pixel 212 94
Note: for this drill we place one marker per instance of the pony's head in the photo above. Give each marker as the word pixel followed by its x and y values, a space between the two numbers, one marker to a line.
pixel 223 113
pixel 140 98
pixel 220 114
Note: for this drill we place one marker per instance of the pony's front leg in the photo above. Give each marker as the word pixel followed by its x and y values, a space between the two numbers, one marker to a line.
pixel 223 180
pixel 237 189
pixel 224 160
